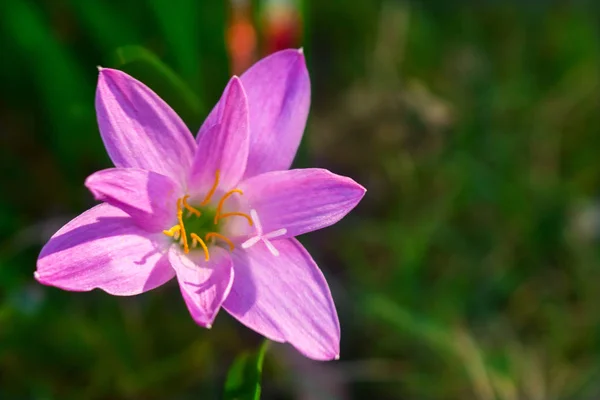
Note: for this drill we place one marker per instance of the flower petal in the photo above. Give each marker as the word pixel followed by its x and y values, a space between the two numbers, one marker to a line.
pixel 139 129
pixel 300 200
pixel 278 90
pixel 204 285
pixel 224 145
pixel 285 298
pixel 102 248
pixel 148 197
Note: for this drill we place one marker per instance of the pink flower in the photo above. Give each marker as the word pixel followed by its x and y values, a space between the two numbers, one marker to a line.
pixel 220 213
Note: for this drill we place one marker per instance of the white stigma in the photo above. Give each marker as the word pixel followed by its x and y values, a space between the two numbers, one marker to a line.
pixel 250 242
pixel 260 237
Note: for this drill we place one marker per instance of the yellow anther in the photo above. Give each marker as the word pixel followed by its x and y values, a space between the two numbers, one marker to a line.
pixel 178 232
pixel 197 239
pixel 190 208
pixel 186 248
pixel 174 230
pixel 223 238
pixel 212 190
pixel 233 214
pixel 222 201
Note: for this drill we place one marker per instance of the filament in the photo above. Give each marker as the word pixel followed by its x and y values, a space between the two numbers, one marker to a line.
pixel 222 201
pixel 223 238
pixel 197 239
pixel 212 190
pixel 186 248
pixel 190 208
pixel 234 214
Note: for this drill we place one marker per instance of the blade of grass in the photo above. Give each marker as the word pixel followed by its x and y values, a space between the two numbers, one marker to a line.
pixel 244 376
pixel 146 66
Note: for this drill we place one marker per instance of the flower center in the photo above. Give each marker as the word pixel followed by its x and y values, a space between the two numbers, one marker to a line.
pixel 200 224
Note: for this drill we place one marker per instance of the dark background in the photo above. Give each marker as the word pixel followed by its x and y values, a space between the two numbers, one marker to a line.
pixel 469 271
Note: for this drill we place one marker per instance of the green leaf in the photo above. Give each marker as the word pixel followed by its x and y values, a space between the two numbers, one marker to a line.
pixel 108 26
pixel 60 81
pixel 243 378
pixel 148 68
pixel 178 22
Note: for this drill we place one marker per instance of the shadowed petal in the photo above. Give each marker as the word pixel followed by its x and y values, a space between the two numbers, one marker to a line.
pixel 300 200
pixel 139 129
pixel 278 90
pixel 285 298
pixel 102 248
pixel 149 198
pixel 224 145
pixel 204 285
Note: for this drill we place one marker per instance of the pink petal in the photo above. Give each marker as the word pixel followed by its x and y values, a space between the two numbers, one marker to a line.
pixel 139 129
pixel 223 146
pixel 204 285
pixel 285 298
pixel 103 249
pixel 278 90
pixel 300 200
pixel 149 198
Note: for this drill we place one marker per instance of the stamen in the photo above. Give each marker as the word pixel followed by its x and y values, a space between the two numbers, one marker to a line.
pixel 222 201
pixel 190 208
pixel 212 190
pixel 179 233
pixel 197 239
pixel 174 230
pixel 234 214
pixel 186 248
pixel 223 238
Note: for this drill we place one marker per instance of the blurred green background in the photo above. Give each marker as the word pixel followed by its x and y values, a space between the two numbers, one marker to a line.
pixel 470 270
